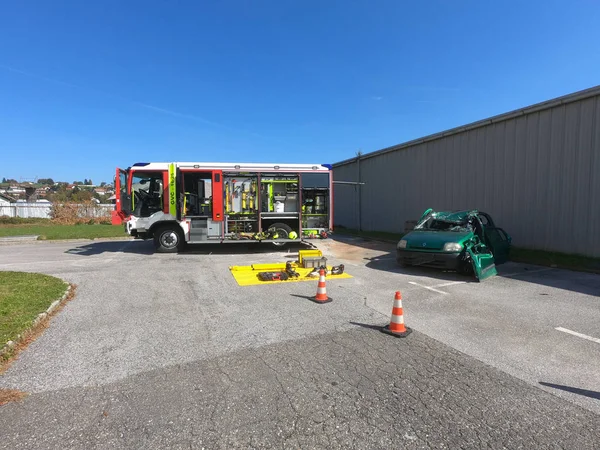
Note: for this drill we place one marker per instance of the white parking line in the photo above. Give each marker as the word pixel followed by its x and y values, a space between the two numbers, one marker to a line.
pixel 428 287
pixel 516 274
pixel 453 283
pixel 575 333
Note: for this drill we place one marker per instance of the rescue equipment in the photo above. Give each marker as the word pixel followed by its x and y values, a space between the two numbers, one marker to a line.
pixel 273 276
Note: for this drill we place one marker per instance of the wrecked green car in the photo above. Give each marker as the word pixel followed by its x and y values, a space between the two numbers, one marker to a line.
pixel 465 241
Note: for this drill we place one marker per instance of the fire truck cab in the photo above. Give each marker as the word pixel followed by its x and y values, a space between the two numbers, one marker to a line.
pixel 199 203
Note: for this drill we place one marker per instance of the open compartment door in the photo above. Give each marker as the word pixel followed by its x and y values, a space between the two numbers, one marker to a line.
pixel 217 195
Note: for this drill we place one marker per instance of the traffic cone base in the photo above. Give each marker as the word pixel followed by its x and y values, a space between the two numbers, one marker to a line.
pixel 329 300
pixel 387 330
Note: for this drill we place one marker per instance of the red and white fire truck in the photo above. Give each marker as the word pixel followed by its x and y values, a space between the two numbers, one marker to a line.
pixel 199 203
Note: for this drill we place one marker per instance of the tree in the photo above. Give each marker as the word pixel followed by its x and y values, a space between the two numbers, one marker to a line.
pixel 103 184
pixel 4 180
pixel 77 182
pixel 81 196
pixel 47 181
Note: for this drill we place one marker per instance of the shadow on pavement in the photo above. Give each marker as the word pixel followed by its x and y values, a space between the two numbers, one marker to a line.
pixel 388 263
pixel 98 248
pixel 586 393
pixel 311 298
pixel 368 326
pixel 582 282
pixel 147 248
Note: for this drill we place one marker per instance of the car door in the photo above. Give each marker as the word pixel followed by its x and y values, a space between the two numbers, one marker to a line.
pixel 499 242
pixel 122 196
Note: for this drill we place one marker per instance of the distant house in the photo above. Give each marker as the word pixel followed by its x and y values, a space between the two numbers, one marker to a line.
pixel 6 200
pixel 42 192
pixel 16 190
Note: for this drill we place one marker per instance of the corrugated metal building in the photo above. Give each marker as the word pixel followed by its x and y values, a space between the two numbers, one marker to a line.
pixel 535 170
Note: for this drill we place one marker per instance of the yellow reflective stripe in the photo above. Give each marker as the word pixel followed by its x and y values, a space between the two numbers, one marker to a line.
pixel 172 191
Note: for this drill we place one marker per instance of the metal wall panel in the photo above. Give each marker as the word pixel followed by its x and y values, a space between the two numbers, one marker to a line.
pixel 536 173
pixel 345 197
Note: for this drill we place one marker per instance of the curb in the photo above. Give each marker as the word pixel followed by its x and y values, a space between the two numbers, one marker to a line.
pixel 80 240
pixel 10 345
pixel 368 238
pixel 22 238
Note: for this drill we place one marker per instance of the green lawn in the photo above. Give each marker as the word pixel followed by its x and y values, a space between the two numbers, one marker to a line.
pixel 51 231
pixel 22 297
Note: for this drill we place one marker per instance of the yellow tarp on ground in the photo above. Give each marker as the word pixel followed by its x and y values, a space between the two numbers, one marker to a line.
pixel 248 275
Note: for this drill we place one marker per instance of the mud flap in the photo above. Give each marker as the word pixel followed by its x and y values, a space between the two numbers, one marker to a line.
pixel 482 262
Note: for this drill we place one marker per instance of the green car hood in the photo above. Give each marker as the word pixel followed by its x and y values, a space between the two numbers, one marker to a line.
pixel 434 240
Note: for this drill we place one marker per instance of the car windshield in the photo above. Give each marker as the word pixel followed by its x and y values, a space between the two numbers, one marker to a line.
pixel 433 222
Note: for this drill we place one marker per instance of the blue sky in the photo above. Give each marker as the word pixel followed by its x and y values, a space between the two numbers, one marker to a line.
pixel 88 86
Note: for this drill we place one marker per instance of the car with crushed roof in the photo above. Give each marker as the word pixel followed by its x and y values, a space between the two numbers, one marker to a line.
pixel 465 241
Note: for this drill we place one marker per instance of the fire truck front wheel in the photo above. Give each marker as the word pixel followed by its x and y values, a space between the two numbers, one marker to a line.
pixel 168 239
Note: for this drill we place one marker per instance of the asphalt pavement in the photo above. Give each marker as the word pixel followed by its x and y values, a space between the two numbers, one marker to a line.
pixel 167 351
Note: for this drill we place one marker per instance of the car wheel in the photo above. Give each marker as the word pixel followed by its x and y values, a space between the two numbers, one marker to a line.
pixel 465 267
pixel 283 231
pixel 168 239
pixel 402 264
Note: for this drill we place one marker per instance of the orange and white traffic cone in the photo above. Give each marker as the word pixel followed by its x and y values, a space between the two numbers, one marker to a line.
pixel 321 296
pixel 396 326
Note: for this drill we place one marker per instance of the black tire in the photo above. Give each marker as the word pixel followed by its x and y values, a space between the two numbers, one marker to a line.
pixel 283 231
pixel 465 267
pixel 402 264
pixel 168 239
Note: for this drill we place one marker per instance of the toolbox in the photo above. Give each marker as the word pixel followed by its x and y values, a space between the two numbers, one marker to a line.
pixel 302 254
pixel 312 262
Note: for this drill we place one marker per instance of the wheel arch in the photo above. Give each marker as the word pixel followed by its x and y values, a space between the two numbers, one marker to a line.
pixel 163 223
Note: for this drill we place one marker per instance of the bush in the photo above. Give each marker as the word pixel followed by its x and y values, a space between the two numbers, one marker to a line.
pixel 78 213
pixel 6 220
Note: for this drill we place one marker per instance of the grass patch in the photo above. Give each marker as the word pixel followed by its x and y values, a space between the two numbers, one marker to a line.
pixel 562 260
pixel 22 297
pixel 49 230
pixel 5 220
pixel 380 235
pixel 11 395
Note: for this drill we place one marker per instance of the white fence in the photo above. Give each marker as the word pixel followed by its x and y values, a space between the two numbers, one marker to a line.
pixel 42 210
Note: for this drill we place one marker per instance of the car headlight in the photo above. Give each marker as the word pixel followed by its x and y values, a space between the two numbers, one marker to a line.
pixel 402 243
pixel 452 247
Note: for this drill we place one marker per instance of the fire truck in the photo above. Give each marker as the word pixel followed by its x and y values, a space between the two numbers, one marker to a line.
pixel 182 203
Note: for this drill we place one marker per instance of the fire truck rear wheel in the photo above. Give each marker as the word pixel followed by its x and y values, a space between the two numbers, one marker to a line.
pixel 283 232
pixel 168 239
